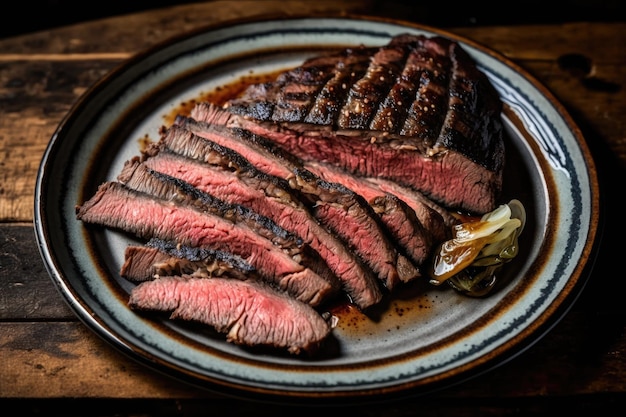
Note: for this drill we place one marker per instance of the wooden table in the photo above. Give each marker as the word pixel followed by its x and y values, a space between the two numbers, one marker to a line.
pixel 50 361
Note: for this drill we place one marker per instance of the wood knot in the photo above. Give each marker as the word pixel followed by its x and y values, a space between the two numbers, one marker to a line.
pixel 582 68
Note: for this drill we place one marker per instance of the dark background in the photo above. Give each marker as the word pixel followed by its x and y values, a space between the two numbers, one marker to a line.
pixel 25 16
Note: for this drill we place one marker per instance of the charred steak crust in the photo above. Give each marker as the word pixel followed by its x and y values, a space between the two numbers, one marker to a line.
pixel 420 113
pixel 166 258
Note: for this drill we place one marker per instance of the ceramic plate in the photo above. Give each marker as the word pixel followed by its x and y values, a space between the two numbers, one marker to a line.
pixel 422 340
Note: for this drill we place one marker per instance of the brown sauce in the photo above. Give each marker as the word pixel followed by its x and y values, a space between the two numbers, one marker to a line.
pixel 395 313
pixel 220 95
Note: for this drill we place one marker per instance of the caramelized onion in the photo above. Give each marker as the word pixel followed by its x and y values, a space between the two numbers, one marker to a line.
pixel 478 249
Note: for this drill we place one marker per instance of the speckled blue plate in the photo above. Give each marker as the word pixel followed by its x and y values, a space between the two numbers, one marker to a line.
pixel 420 341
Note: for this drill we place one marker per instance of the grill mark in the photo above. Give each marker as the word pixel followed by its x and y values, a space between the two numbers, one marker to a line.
pixel 366 94
pixel 425 118
pixel 298 89
pixel 165 258
pixel 394 108
pixel 331 98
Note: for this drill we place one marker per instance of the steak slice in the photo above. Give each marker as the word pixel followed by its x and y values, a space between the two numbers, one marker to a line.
pixel 400 219
pixel 352 218
pixel 341 210
pixel 248 312
pixel 137 176
pixel 261 152
pixel 422 114
pixel 387 197
pixel 231 178
pixel 159 258
pixel 435 218
pixel 118 207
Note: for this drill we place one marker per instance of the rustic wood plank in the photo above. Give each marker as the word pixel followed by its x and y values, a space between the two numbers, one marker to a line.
pixel 601 405
pixel 47 353
pixel 26 290
pixel 60 359
pixel 548 42
pixel 36 358
pixel 132 33
pixel 35 97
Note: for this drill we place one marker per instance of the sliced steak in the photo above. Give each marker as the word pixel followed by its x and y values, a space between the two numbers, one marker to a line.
pixel 400 219
pixel 159 258
pixel 348 215
pixel 137 176
pixel 433 216
pixel 261 152
pixel 422 114
pixel 341 210
pixel 230 177
pixel 247 312
pixel 145 216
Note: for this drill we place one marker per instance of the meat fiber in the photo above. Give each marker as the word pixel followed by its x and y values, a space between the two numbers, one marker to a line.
pixel 226 175
pixel 145 216
pixel 400 219
pixel 247 312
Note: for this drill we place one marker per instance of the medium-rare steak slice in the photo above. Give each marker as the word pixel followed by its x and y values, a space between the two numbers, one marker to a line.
pixel 118 207
pixel 400 219
pixel 159 258
pixel 434 220
pixel 346 213
pixel 137 176
pixel 352 218
pixel 429 212
pixel 422 114
pixel 261 152
pixel 230 177
pixel 248 312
